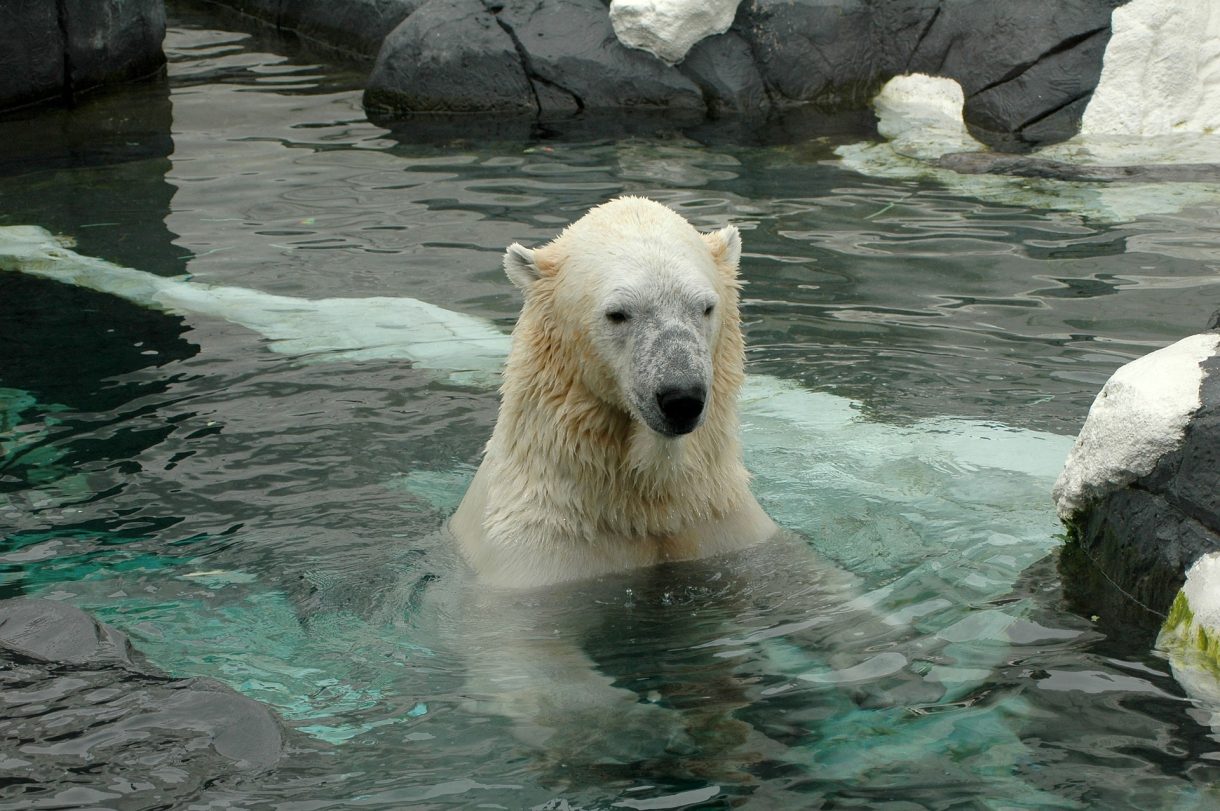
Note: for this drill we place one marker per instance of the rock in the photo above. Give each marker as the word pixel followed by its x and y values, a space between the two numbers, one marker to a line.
pixel 1163 50
pixel 1022 64
pixel 552 57
pixel 1191 634
pixel 668 29
pixel 112 41
pixel 812 51
pixel 999 163
pixel 57 632
pixel 31 54
pixel 921 117
pixel 82 714
pixel 1028 67
pixel 1140 492
pixel 570 47
pixel 61 50
pixel 355 27
pixel 724 70
pixel 450 56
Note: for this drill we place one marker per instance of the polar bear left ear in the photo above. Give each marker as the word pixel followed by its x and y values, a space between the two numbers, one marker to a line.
pixel 520 266
pixel 725 245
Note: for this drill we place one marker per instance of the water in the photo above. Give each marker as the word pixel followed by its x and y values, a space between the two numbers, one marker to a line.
pixel 267 514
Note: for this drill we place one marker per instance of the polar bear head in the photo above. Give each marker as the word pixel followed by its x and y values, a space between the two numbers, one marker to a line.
pixel 634 302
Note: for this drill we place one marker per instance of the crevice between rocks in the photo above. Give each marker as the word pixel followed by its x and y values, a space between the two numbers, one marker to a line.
pixel 922 36
pixel 61 19
pixel 1042 116
pixel 530 74
pixel 1060 47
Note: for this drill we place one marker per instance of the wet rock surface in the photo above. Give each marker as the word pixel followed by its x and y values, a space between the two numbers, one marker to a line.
pixel 996 163
pixel 1128 551
pixel 1028 67
pixel 86 722
pixel 59 50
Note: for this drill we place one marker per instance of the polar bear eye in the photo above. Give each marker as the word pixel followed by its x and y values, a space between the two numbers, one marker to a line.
pixel 616 316
pixel 707 311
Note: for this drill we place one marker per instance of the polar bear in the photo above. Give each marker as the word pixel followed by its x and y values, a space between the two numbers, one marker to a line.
pixel 616 445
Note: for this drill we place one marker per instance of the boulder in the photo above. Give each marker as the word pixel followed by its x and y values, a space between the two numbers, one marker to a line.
pixel 57 51
pixel 548 57
pixel 450 56
pixel 668 29
pixel 1164 50
pixel 1028 67
pixel 73 695
pixel 1140 492
pixel 31 54
pixel 814 51
pixel 353 28
pixel 569 45
pixel 356 27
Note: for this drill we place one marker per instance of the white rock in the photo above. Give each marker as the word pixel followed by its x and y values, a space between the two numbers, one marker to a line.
pixel 1161 72
pixel 1202 592
pixel 921 116
pixel 668 29
pixel 1189 636
pixel 1140 414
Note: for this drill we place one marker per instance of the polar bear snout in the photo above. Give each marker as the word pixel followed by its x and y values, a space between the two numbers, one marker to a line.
pixel 669 379
pixel 682 408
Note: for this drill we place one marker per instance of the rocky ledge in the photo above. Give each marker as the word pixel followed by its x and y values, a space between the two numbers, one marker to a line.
pixel 1140 496
pixel 1028 67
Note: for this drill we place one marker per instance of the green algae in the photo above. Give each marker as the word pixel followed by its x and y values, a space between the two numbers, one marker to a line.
pixel 1183 632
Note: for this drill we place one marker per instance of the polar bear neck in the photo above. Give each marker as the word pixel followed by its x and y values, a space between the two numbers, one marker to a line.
pixel 571 458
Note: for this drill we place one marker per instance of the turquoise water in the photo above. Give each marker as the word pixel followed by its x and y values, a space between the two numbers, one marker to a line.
pixel 266 511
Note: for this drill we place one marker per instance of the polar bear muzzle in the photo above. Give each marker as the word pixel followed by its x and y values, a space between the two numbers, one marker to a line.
pixel 670 376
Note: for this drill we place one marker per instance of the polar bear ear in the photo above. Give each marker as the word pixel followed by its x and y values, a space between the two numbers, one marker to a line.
pixel 725 245
pixel 520 267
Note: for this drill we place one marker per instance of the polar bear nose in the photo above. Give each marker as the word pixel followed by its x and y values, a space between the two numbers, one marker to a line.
pixel 682 407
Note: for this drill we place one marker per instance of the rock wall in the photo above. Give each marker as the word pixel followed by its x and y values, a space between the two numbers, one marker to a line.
pixel 1028 67
pixel 59 49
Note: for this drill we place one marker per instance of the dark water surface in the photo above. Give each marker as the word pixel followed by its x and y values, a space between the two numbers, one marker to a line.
pixel 272 520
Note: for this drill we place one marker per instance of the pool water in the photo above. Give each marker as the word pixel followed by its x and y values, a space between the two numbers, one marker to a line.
pixel 267 513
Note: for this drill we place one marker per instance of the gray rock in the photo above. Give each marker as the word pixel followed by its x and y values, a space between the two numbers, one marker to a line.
pixel 1020 64
pixel 1028 67
pixel 723 68
pixel 82 715
pixel 569 47
pixel 450 56
pixel 998 163
pixel 31 53
pixel 61 50
pixel 1128 552
pixel 357 27
pixel 814 51
pixel 112 41
pixel 57 632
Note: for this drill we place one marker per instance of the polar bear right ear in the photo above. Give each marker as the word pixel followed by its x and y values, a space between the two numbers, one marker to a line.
pixel 725 245
pixel 520 266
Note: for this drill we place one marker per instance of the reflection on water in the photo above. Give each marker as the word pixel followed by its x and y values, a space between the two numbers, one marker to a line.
pixel 272 522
